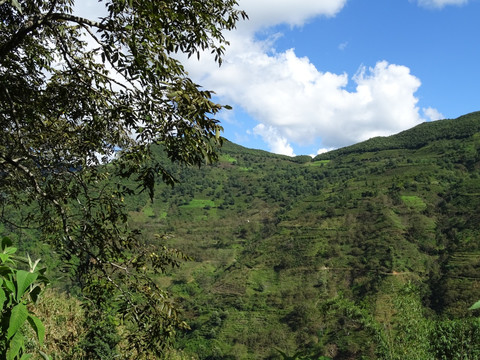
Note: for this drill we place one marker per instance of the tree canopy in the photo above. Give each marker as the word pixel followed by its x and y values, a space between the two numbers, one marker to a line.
pixel 77 93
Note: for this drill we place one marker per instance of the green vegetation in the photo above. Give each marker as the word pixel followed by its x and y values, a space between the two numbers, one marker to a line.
pixel 83 101
pixel 368 254
pixel 199 204
pixel 19 289
pixel 371 254
pixel 414 202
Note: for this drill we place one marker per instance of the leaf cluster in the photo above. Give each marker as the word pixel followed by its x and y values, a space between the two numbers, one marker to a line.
pixel 18 289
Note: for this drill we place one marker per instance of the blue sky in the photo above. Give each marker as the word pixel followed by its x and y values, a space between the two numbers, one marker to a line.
pixel 315 75
pixel 306 76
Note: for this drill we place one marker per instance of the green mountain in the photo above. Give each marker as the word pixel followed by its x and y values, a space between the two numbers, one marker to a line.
pixel 370 251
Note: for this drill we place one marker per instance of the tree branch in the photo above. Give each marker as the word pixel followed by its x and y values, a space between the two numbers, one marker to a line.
pixel 37 21
pixel 77 19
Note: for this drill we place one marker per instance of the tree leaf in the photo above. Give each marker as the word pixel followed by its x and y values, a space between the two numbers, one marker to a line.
pixel 3 297
pixel 475 306
pixel 18 317
pixel 9 285
pixel 4 257
pixel 15 345
pixel 38 327
pixel 24 280
pixel 10 250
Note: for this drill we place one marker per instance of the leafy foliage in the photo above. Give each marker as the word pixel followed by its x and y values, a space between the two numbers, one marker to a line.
pixel 18 289
pixel 336 257
pixel 77 93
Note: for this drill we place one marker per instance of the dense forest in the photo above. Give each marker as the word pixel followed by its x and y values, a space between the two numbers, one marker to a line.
pixel 367 252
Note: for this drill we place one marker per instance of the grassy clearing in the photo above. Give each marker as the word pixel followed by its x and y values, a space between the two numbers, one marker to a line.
pixel 414 202
pixel 227 158
pixel 318 163
pixel 148 211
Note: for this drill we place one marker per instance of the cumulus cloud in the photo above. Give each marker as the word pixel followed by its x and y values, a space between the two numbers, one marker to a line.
pixel 277 143
pixel 267 13
pixel 292 100
pixel 441 3
pixel 432 114
pixel 295 102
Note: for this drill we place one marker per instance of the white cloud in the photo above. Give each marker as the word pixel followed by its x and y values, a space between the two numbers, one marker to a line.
pixel 323 150
pixel 296 103
pixel 343 45
pixel 441 3
pixel 292 100
pixel 265 13
pixel 432 114
pixel 278 143
pixel 90 9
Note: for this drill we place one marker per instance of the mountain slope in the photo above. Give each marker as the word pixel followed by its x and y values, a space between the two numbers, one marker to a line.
pixel 338 256
pixel 416 137
pixel 368 251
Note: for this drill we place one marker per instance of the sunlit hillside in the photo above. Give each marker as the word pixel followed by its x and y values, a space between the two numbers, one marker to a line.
pixel 370 251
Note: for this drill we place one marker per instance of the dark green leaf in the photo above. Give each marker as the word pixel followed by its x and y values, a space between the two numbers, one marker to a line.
pixel 38 327
pixel 17 319
pixel 3 297
pixel 6 242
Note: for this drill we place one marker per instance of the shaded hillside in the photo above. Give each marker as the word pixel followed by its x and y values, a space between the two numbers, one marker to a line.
pixel 338 256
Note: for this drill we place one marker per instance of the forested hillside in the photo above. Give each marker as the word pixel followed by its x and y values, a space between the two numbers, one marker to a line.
pixel 367 252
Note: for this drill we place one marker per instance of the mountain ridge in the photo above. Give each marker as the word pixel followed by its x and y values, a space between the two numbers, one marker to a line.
pixel 415 137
